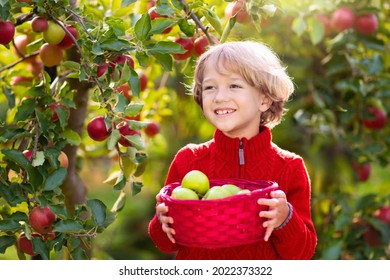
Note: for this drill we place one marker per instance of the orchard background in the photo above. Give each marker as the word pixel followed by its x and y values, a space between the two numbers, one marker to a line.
pixel 94 106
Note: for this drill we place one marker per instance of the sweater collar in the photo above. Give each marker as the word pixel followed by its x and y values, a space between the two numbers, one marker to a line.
pixel 255 147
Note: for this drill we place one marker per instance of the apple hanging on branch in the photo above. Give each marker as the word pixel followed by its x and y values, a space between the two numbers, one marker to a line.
pixel 7 32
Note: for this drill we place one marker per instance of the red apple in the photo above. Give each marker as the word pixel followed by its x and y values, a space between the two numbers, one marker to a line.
pixel 125 90
pixel 97 129
pixel 67 42
pixel 372 237
pixel 21 80
pixel 53 107
pixel 7 32
pixel 342 19
pixel 39 24
pixel 35 68
pixel 51 55
pixel 363 171
pixel 125 130
pixel 41 219
pixel 25 245
pixel 28 154
pixel 237 9
pixel 384 214
pixel 153 15
pixel 121 59
pixel 134 118
pixel 63 159
pixel 366 24
pixel 102 69
pixel 143 80
pixel 377 121
pixel 188 45
pixel 201 44
pixel 152 129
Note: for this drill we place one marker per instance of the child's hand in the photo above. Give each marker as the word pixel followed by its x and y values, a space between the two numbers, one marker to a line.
pixel 278 211
pixel 161 212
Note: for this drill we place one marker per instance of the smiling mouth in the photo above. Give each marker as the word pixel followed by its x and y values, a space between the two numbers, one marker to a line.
pixel 224 112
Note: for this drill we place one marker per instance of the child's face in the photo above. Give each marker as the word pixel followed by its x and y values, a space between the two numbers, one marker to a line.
pixel 230 103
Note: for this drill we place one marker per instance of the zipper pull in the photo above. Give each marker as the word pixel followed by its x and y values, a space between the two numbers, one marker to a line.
pixel 241 153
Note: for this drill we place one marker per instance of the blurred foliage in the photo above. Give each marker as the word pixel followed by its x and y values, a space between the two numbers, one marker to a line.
pixel 337 76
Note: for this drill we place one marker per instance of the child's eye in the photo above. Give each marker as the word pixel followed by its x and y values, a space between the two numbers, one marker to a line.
pixel 207 88
pixel 235 86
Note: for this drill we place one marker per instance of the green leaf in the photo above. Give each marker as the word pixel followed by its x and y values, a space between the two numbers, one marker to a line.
pixel 342 220
pixel 41 247
pixel 98 209
pixel 213 19
pixel 134 109
pixel 332 252
pixel 39 159
pixel 128 165
pixel 165 60
pixel 10 96
pixel 9 225
pixel 142 27
pixel 55 179
pixel 120 182
pixel 113 139
pixel 73 243
pixel 16 156
pixel 136 141
pixel 299 25
pixel 79 254
pixel 72 65
pixel 119 203
pixel 142 58
pixel 115 44
pixel 136 187
pixel 12 193
pixel 72 137
pixel 25 110
pixel 228 28
pixel 186 28
pixel 68 226
pixel 316 30
pixel 134 83
pixel 164 47
pixel 44 120
pixel 5 242
pixel 126 3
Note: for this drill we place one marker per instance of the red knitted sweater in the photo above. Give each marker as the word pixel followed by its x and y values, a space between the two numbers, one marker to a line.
pixel 261 160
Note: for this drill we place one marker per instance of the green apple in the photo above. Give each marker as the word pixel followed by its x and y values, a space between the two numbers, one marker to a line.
pixel 245 191
pixel 216 192
pixel 54 33
pixel 233 189
pixel 184 193
pixel 197 181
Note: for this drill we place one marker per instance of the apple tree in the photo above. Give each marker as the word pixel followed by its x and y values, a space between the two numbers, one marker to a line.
pixel 73 76
pixel 81 79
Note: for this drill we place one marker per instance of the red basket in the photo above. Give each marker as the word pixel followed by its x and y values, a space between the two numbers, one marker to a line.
pixel 225 222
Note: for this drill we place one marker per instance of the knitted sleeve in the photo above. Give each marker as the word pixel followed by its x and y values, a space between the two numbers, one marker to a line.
pixel 155 231
pixel 297 239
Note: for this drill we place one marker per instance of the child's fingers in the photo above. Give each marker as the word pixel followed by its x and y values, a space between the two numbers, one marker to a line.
pixel 268 233
pixel 161 209
pixel 169 231
pixel 277 194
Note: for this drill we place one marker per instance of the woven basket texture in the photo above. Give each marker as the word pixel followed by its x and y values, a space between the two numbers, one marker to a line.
pixel 226 222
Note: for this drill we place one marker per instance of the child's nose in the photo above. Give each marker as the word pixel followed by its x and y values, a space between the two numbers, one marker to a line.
pixel 221 95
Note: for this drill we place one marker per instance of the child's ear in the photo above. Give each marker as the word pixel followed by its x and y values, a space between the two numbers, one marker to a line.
pixel 265 103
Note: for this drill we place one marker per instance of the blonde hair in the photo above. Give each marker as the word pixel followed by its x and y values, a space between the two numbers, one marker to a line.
pixel 258 65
